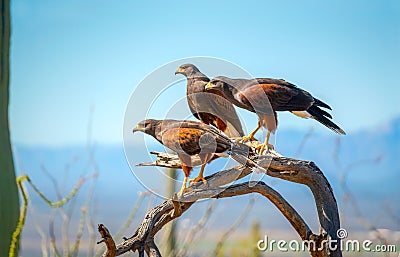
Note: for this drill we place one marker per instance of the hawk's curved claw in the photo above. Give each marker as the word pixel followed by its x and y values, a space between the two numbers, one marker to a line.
pixel 245 138
pixel 264 147
pixel 198 179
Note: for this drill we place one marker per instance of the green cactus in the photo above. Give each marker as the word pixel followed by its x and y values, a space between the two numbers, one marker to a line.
pixel 170 228
pixel 9 200
pixel 255 236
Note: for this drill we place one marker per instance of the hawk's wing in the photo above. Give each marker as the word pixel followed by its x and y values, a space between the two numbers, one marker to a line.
pixel 280 97
pixel 225 110
pixel 213 107
pixel 193 137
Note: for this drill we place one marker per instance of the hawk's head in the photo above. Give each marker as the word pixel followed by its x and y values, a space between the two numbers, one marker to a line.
pixel 148 126
pixel 187 70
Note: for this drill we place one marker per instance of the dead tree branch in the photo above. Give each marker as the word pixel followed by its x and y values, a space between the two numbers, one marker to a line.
pixel 219 185
pixel 108 240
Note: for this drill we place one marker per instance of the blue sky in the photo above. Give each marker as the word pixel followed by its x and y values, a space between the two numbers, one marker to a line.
pixel 69 56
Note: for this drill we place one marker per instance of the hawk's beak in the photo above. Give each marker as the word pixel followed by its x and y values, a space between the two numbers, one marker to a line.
pixel 210 86
pixel 137 128
pixel 179 71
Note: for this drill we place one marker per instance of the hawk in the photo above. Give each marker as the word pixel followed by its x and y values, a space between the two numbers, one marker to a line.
pixel 209 107
pixel 266 96
pixel 190 138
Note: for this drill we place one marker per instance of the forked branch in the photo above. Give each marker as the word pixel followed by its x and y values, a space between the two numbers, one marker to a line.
pixel 220 185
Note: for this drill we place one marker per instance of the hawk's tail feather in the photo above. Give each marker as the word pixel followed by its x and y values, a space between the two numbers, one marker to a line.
pixel 319 110
pixel 319 116
pixel 319 103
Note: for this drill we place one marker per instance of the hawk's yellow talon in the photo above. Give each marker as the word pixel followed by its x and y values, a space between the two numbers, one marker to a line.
pixel 245 138
pixel 198 179
pixel 261 147
pixel 250 137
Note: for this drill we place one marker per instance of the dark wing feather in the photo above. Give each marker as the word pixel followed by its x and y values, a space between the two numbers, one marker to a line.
pixel 287 97
pixel 255 94
pixel 284 83
pixel 184 137
pixel 192 137
pixel 319 110
pixel 225 111
pixel 182 140
pixel 195 86
pixel 244 83
pixel 209 106
pixel 317 115
pixel 280 98
pixel 281 82
pixel 319 103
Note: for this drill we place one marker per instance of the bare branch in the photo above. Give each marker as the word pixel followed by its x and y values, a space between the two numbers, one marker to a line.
pixel 297 171
pixel 307 173
pixel 108 240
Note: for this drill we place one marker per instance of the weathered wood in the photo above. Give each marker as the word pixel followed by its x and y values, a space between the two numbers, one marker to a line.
pixel 307 173
pixel 108 240
pixel 297 171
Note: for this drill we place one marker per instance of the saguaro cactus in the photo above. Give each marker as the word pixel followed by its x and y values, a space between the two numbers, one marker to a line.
pixel 9 201
pixel 170 230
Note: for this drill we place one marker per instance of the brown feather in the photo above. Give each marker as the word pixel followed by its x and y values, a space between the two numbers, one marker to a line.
pixel 266 96
pixel 209 107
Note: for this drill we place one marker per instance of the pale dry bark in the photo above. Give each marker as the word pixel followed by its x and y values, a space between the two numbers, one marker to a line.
pixel 219 185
